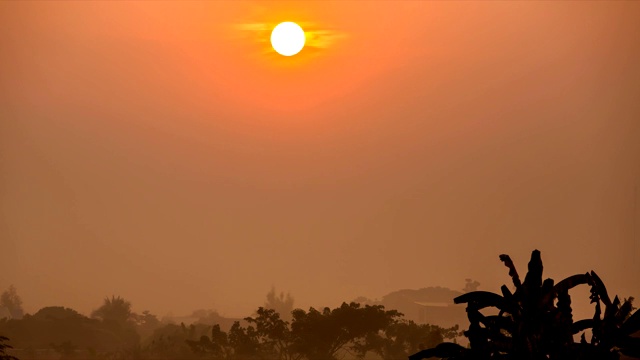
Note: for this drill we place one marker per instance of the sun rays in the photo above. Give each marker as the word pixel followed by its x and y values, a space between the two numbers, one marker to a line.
pixel 317 37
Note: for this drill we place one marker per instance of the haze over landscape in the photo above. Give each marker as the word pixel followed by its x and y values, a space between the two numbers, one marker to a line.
pixel 152 150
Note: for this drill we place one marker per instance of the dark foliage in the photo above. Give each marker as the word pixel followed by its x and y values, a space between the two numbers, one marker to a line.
pixel 536 322
pixel 113 332
pixel 320 335
pixel 3 348
pixel 57 325
pixel 173 341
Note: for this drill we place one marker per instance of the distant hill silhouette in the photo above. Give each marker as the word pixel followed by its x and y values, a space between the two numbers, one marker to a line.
pixel 433 294
pixel 430 305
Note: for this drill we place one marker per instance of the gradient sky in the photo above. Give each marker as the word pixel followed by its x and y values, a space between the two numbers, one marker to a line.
pixel 160 151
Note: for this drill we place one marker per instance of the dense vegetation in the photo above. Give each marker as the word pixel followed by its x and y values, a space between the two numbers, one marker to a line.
pixel 3 348
pixel 320 335
pixel 115 332
pixel 536 322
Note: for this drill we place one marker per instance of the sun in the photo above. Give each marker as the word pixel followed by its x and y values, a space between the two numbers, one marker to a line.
pixel 287 38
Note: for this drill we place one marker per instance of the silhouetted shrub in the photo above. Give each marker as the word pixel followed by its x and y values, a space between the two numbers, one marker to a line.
pixel 3 348
pixel 536 322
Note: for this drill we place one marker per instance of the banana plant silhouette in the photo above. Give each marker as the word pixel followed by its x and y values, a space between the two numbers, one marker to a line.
pixel 536 322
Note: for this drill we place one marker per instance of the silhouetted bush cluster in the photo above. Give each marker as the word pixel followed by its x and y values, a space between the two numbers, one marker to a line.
pixel 536 322
pixel 321 335
pixel 113 333
pixel 58 332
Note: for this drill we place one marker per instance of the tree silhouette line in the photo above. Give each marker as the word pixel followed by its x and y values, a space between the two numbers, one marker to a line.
pixel 321 335
pixel 533 322
pixel 114 332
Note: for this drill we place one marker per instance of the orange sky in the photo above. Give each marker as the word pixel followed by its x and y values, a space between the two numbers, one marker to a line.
pixel 160 151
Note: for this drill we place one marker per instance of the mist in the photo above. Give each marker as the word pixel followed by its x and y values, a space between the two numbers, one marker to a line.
pixel 147 153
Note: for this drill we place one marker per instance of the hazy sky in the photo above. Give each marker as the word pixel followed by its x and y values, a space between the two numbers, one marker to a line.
pixel 162 152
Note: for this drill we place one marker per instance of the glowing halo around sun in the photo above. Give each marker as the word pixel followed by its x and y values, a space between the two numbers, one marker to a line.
pixel 287 38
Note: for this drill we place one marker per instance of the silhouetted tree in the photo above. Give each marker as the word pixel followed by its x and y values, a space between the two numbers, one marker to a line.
pixel 146 323
pixel 3 349
pixel 536 322
pixel 267 336
pixel 115 309
pixel 244 342
pixel 238 344
pixel 274 335
pixel 312 335
pixel 56 325
pixel 12 302
pixel 403 338
pixel 323 335
pixel 116 315
pixel 216 347
pixel 56 313
pixel 173 341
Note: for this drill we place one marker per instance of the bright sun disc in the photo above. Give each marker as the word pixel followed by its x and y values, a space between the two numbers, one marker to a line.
pixel 287 38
